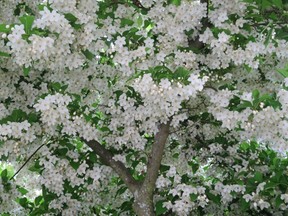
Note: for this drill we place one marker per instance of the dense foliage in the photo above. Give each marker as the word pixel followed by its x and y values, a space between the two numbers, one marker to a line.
pixel 153 107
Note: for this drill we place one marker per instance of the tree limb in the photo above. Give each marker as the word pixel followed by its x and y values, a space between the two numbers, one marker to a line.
pixel 117 166
pixel 138 4
pixel 155 158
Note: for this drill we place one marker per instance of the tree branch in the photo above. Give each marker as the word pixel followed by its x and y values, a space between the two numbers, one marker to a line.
pixel 117 166
pixel 210 87
pixel 138 4
pixel 280 23
pixel 155 158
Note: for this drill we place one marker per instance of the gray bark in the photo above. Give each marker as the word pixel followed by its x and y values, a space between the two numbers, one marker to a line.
pixel 143 204
pixel 142 191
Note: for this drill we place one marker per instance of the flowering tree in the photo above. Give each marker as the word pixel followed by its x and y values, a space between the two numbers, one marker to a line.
pixel 122 107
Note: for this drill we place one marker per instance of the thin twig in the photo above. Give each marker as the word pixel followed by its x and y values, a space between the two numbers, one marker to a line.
pixel 27 161
pixel 210 87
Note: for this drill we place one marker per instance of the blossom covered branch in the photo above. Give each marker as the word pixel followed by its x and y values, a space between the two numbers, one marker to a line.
pixel 107 158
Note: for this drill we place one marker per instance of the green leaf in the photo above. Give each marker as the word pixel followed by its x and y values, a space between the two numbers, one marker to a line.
pixel 74 164
pixel 249 1
pixel 4 54
pixel 214 198
pixel 72 21
pixel 1 143
pixel 32 117
pixel 161 72
pixel 278 201
pixel 193 197
pixel 120 191
pixel 265 97
pixel 284 71
pixel 38 200
pixel 27 21
pixel 265 4
pixel 23 202
pixel 22 190
pixel 36 167
pixel 243 105
pixel 17 116
pixel 244 206
pixel 61 151
pixel 181 73
pixel 139 21
pixel 269 36
pixel 282 33
pixel 160 209
pixel 41 7
pixel 40 32
pixel 175 2
pixel 176 155
pixel 277 3
pixel 244 146
pixel 48 196
pixel 92 157
pixel 248 68
pixel 39 211
pixel 4 29
pixel 258 176
pixel 4 175
pixel 255 93
pixel 89 55
pixel 76 26
pixel 26 70
pixel 79 145
pixel 125 22
pixel 56 86
pixel 194 166
pixel 164 168
pixel 126 206
pixel 104 129
pixel 70 17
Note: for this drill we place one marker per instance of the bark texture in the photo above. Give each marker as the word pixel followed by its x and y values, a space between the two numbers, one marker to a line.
pixel 142 191
pixel 143 204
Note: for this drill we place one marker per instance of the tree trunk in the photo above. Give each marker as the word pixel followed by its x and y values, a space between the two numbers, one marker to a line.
pixel 143 203
pixel 143 196
pixel 142 191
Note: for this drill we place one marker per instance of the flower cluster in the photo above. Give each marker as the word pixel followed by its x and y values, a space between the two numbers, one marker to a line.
pixel 53 109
